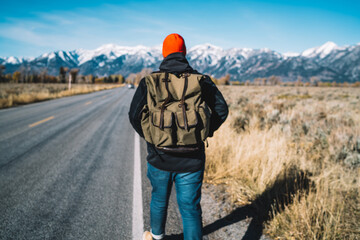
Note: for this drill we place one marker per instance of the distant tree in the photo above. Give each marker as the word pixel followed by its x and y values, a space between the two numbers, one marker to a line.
pixel 99 80
pixel 224 80
pixel 89 78
pixel 51 79
pixel 2 70
pixel 114 78
pixel 81 79
pixel 35 78
pixel 16 76
pixel 314 81
pixel 8 77
pixel 135 78
pixel 62 74
pixel 274 80
pixel 299 81
pixel 43 74
pixel 74 72
pixel 264 81
pixel 24 72
pixel 121 79
pixel 345 84
pixel 257 81
pixel 31 78
pixel 130 78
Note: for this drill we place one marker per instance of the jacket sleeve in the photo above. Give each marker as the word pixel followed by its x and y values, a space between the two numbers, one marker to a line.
pixel 137 104
pixel 215 100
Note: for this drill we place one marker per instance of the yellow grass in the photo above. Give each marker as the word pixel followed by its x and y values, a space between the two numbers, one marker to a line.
pixel 294 154
pixel 13 94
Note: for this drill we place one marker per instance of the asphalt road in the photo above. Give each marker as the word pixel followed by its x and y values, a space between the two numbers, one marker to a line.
pixel 66 169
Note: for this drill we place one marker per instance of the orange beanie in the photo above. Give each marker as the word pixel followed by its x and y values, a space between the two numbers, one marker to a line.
pixel 173 43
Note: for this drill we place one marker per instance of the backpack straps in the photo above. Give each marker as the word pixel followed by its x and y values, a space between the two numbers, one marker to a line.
pixel 163 105
pixel 182 104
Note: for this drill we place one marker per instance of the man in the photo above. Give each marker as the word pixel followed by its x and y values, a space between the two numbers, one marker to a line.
pixel 185 169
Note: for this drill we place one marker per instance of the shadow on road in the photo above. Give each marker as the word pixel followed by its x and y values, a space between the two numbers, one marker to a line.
pixel 274 199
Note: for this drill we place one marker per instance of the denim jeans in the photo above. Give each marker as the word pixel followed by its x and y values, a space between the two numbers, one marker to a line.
pixel 188 193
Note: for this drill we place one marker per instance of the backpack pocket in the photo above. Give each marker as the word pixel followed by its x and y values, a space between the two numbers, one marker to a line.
pixel 145 123
pixel 187 136
pixel 162 136
pixel 205 115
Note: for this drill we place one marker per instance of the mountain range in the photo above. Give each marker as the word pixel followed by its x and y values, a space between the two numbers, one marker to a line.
pixel 328 62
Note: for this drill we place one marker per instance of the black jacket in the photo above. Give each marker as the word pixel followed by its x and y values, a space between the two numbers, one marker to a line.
pixel 176 63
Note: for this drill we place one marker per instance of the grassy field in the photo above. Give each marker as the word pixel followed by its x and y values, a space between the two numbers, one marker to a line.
pixel 293 153
pixel 12 94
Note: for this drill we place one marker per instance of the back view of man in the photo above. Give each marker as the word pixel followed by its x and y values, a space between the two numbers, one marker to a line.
pixel 175 110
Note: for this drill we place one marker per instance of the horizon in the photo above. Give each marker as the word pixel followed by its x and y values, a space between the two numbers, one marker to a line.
pixel 37 28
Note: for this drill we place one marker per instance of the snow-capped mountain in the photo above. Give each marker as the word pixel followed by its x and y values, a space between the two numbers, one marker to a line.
pixel 328 62
pixel 321 51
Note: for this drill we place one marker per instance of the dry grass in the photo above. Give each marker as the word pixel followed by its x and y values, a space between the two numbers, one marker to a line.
pixel 294 153
pixel 12 94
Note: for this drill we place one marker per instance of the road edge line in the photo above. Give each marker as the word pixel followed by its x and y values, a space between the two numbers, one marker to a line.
pixel 137 213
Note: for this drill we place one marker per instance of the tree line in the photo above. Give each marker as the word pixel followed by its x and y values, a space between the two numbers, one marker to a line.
pixel 23 75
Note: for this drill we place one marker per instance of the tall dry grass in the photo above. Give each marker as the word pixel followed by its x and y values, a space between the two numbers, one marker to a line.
pixel 12 94
pixel 294 154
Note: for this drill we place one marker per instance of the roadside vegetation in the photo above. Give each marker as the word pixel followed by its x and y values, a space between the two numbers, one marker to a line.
pixel 13 94
pixel 27 86
pixel 293 154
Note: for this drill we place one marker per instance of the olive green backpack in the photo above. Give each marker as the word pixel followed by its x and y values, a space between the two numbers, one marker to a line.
pixel 175 118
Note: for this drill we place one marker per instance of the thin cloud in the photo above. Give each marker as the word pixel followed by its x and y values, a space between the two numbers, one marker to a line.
pixel 71 29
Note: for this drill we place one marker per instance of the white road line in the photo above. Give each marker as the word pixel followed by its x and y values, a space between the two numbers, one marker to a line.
pixel 137 213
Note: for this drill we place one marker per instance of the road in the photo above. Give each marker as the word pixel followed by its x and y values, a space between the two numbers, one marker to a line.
pixel 66 170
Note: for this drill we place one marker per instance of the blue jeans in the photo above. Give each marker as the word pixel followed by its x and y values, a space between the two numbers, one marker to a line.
pixel 188 193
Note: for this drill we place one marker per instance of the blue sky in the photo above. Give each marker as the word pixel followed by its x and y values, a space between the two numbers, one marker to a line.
pixel 30 28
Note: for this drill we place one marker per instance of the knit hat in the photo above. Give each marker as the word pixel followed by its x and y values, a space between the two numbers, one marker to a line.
pixel 173 43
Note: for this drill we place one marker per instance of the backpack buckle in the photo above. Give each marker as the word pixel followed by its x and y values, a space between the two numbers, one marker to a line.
pixel 184 75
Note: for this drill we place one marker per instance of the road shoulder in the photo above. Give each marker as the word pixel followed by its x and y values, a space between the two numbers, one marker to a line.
pixel 222 220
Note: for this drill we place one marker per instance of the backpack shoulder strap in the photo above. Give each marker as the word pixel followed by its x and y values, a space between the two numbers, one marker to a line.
pixel 166 80
pixel 182 101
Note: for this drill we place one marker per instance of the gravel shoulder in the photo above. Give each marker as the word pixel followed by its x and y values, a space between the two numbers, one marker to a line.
pixel 222 220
